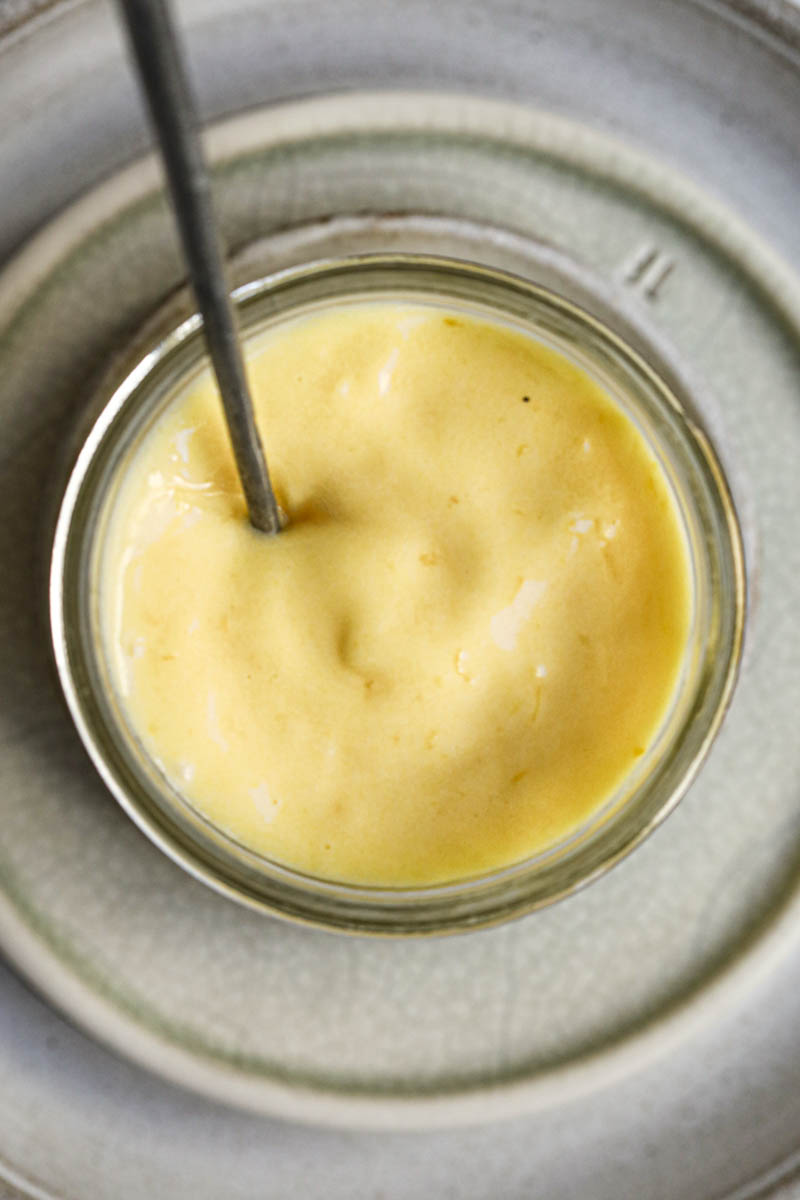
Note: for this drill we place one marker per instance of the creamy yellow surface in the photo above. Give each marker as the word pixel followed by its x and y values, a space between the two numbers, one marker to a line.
pixel 465 639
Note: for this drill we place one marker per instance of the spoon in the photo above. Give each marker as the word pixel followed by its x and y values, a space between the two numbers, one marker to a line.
pixel 162 72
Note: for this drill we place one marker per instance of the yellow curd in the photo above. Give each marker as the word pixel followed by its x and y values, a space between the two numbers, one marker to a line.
pixel 469 633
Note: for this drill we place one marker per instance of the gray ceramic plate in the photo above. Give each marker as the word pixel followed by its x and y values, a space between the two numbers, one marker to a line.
pixel 652 1010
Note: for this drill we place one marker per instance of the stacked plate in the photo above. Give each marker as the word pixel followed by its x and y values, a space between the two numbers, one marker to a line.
pixel 637 1039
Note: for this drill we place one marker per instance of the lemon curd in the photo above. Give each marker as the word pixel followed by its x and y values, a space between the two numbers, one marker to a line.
pixel 467 636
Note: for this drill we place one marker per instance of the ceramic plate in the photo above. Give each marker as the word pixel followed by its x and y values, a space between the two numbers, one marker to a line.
pixel 666 966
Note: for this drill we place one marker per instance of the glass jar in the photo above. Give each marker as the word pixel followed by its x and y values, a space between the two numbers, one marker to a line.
pixel 648 793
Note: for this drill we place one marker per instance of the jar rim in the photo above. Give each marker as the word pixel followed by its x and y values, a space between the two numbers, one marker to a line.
pixel 612 832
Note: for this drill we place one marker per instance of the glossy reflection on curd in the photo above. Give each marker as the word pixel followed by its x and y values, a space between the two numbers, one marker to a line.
pixel 464 641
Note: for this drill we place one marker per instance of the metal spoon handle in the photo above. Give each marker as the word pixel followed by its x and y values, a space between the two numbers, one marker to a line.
pixel 166 86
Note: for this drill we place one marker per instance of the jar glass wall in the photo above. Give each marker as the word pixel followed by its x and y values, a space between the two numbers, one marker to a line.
pixel 662 774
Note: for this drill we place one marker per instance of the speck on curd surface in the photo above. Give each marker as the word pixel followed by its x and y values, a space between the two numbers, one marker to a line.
pixel 468 635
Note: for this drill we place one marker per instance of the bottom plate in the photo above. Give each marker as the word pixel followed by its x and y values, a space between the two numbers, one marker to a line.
pixel 531 1016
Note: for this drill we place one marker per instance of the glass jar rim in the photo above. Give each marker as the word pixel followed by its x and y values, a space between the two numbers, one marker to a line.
pixel 662 778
